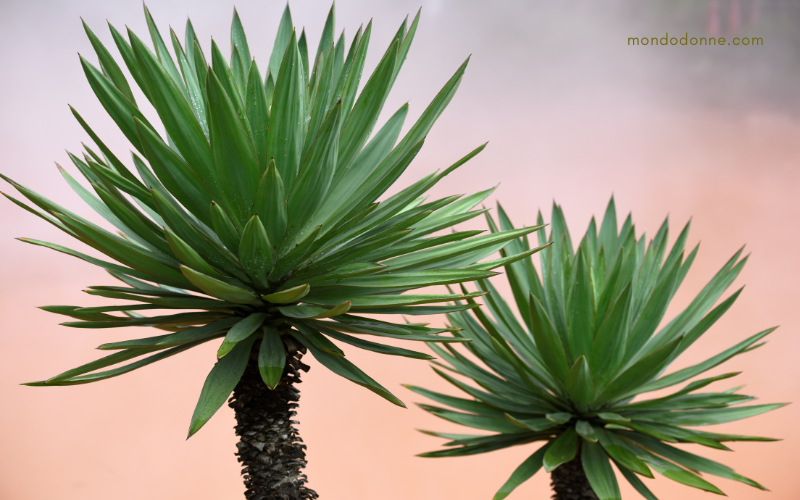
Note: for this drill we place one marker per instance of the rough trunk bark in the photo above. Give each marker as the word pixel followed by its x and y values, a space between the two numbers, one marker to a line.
pixel 270 450
pixel 569 481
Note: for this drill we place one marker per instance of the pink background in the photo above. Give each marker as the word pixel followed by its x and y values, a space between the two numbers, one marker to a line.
pixel 571 113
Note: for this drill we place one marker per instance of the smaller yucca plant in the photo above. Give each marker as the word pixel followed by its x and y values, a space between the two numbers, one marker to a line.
pixel 587 346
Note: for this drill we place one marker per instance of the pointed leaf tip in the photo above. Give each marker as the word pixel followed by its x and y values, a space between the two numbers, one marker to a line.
pixel 288 296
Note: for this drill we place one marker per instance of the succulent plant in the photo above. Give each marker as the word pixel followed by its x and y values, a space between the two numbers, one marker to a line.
pixel 576 372
pixel 257 216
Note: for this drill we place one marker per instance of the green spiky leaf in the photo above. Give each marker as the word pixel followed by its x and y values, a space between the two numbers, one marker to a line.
pixel 219 384
pixel 271 357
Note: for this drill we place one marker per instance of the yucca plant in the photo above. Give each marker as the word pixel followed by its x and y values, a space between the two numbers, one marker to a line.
pixel 575 373
pixel 255 219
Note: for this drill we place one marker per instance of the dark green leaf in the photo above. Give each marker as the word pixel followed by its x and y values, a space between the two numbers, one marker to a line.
pixel 678 474
pixel 295 257
pixel 285 30
pixel 653 311
pixel 562 450
pixel 175 113
pixel 301 312
pixel 484 445
pixel 351 85
pixel 640 373
pixel 615 449
pixel 270 205
pixel 341 75
pixel 373 346
pixel 547 340
pixel 690 460
pixel 608 233
pixel 109 65
pixel 123 252
pixel 258 114
pixel 187 255
pixel 580 310
pixel 346 369
pixel 599 472
pixel 612 417
pixel 386 300
pixel 199 332
pixel 525 471
pixel 319 100
pixel 336 310
pixel 96 377
pixel 174 320
pixel 287 117
pixel 237 73
pixel 200 67
pixel 367 161
pixel 178 177
pixel 189 40
pixel 408 279
pixel 608 351
pixel 130 60
pixel 321 341
pixel 690 317
pixel 161 51
pixel 637 483
pixel 302 47
pixel 220 383
pixel 586 431
pixel 209 249
pixel 271 357
pixel 559 418
pixel 195 91
pixel 314 178
pixel 326 40
pixel 666 400
pixel 534 424
pixel 115 103
pixel 707 417
pixel 579 384
pixel 288 296
pixel 241 331
pixel 233 86
pixel 109 360
pixel 255 251
pixel 234 159
pixel 687 373
pixel 97 262
pixel 123 171
pixel 219 289
pixel 239 40
pixel 462 404
pixel 391 166
pixel 488 423
pixel 362 119
pixel 225 228
pixel 419 310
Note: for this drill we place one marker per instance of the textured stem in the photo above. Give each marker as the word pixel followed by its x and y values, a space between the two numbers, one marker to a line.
pixel 270 450
pixel 569 481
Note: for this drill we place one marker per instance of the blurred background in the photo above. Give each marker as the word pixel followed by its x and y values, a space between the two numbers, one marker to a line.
pixel 572 113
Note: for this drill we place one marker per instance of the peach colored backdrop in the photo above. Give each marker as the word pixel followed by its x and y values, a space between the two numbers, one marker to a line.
pixel 571 113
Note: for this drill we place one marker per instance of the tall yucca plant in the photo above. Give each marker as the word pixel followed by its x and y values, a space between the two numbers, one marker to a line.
pixel 587 346
pixel 254 219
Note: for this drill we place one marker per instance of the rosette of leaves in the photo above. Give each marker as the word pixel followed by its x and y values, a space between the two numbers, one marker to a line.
pixel 577 372
pixel 253 215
